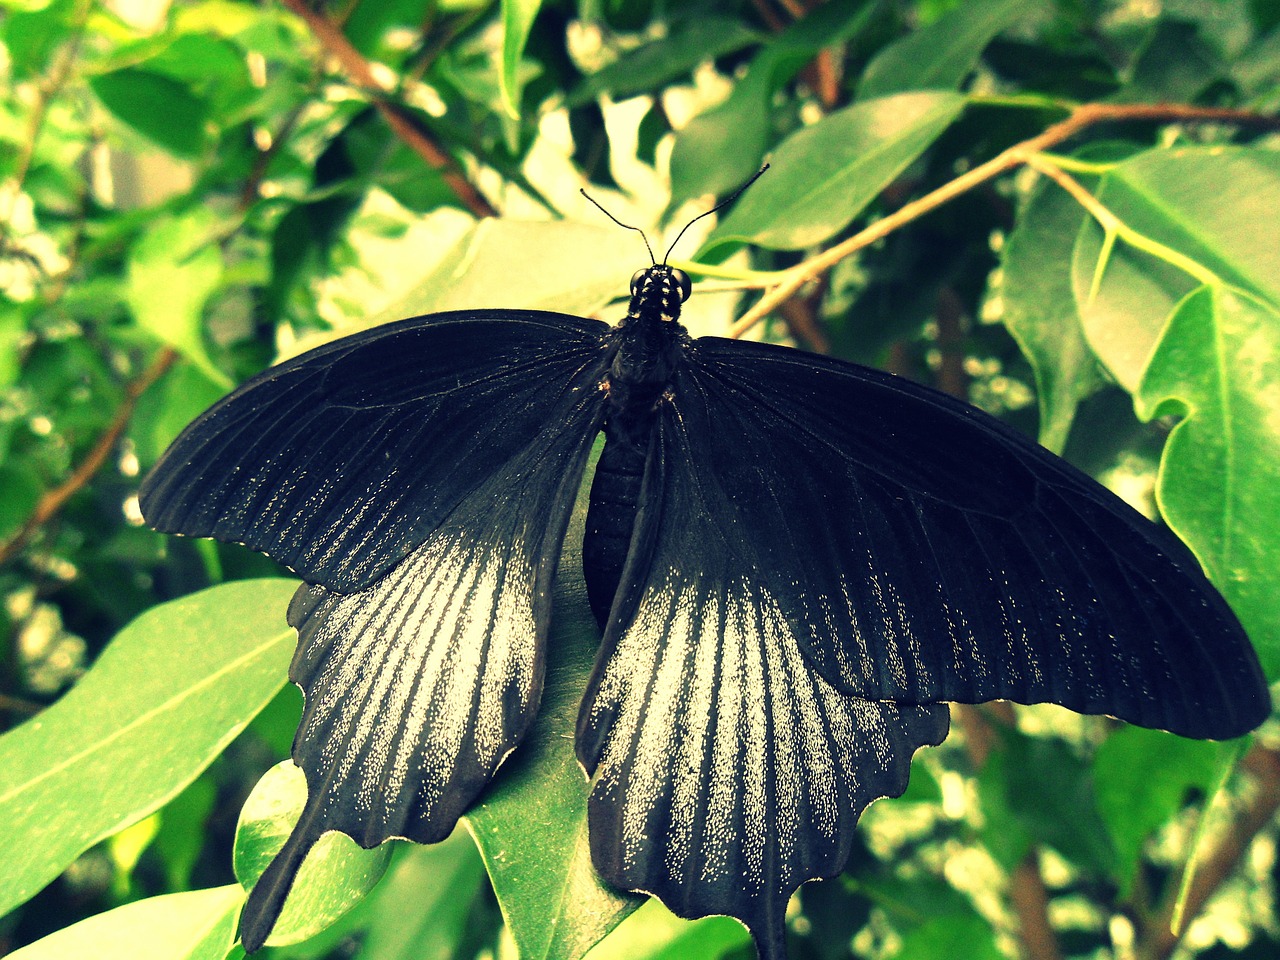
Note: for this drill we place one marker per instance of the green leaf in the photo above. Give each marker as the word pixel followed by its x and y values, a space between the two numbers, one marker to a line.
pixel 655 933
pixel 824 175
pixel 720 148
pixel 1040 309
pixel 1216 365
pixel 517 19
pixel 160 108
pixel 941 55
pixel 420 911
pixel 1212 204
pixel 174 269
pixel 199 925
pixel 336 875
pixel 692 41
pixel 1141 778
pixel 531 825
pixel 563 266
pixel 164 698
pixel 965 934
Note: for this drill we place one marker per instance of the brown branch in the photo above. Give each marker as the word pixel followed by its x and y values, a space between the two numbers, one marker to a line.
pixel 53 500
pixel 402 123
pixel 1081 117
pixel 1158 938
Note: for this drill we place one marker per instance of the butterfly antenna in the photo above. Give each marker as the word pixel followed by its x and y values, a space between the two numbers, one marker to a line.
pixel 625 226
pixel 719 206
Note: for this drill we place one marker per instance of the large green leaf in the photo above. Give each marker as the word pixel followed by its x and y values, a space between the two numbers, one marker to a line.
pixel 336 874
pixel 162 109
pixel 198 925
pixel 941 55
pixel 1040 310
pixel 531 826
pixel 1216 365
pixel 1213 204
pixel 1141 778
pixel 174 268
pixel 824 175
pixel 562 266
pixel 164 698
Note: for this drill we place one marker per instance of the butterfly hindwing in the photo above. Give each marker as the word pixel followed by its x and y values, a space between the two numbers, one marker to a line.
pixel 926 552
pixel 341 461
pixel 726 771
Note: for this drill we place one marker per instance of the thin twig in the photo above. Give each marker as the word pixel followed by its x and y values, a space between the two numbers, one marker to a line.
pixel 1080 118
pixel 52 501
pixel 359 70
pixel 1158 939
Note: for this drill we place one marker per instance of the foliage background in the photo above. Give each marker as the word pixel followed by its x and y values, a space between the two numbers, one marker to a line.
pixel 192 190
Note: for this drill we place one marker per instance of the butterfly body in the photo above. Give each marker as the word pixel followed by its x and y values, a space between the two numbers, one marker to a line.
pixel 797 562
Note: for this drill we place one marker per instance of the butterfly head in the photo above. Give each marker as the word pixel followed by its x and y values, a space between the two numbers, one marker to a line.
pixel 658 291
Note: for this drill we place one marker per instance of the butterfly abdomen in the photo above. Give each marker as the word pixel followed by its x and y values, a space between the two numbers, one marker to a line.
pixel 615 493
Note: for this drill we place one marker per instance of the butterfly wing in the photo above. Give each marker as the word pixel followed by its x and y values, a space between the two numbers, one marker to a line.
pixel 926 552
pixel 341 461
pixel 441 458
pixel 726 770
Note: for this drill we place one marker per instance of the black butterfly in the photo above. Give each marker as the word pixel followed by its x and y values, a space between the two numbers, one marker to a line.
pixel 796 562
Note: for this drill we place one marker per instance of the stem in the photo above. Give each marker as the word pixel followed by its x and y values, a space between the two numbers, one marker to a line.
pixel 402 123
pixel 1080 119
pixel 1117 228
pixel 52 501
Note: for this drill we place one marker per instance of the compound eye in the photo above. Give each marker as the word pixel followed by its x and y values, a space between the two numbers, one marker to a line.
pixel 683 283
pixel 637 280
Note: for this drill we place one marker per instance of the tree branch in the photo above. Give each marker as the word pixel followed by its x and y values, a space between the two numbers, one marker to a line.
pixel 402 123
pixel 1081 117
pixel 52 501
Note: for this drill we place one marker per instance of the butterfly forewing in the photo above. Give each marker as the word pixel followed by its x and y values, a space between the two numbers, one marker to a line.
pixel 340 462
pixel 928 553
pixel 726 770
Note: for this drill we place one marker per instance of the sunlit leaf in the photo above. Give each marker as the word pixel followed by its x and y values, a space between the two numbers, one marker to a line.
pixel 162 109
pixel 1215 365
pixel 165 697
pixel 199 925
pixel 336 874
pixel 824 175
pixel 517 19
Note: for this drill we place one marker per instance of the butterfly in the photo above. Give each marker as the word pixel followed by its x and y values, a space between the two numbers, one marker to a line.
pixel 797 562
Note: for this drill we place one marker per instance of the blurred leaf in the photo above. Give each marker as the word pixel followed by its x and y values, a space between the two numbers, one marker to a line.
pixel 692 41
pixel 22 490
pixel 1211 204
pixel 531 825
pixel 1175 64
pixel 824 175
pixel 183 822
pixel 164 698
pixel 420 910
pixel 164 410
pixel 966 935
pixel 1048 793
pixel 336 874
pixel 1040 309
pixel 655 933
pixel 173 271
pixel 161 109
pixel 517 19
pixel 1142 778
pixel 199 925
pixel 941 55
pixel 1215 365
pixel 720 148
